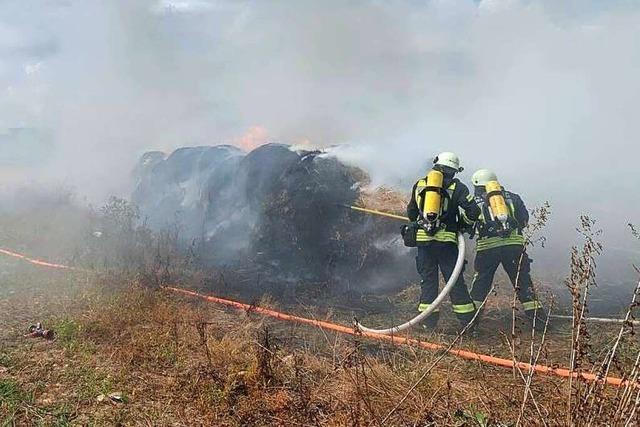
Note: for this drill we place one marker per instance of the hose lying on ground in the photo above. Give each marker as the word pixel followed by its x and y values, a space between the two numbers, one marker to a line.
pixel 39 262
pixel 434 305
pixel 464 354
pixel 597 319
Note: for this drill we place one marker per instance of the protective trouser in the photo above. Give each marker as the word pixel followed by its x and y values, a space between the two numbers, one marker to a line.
pixel 517 264
pixel 442 255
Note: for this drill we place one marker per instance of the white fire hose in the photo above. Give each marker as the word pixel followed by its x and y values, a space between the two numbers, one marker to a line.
pixel 598 319
pixel 443 294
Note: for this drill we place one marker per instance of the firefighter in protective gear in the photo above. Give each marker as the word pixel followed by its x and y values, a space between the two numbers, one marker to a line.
pixel 436 239
pixel 500 241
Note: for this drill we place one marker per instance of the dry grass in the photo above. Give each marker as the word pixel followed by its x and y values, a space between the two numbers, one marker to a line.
pixel 178 362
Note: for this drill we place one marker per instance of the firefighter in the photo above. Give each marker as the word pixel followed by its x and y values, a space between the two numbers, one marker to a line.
pixel 436 235
pixel 500 241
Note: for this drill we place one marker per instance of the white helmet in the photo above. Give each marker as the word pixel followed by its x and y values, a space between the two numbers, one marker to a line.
pixel 482 176
pixel 448 159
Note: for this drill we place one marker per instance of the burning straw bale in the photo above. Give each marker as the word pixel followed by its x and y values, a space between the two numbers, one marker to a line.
pixel 275 208
pixel 302 224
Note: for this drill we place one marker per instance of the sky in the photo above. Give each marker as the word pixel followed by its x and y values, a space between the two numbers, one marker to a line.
pixel 543 92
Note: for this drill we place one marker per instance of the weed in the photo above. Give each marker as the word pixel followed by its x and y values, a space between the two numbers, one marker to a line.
pixel 61 416
pixel 167 354
pixel 66 330
pixel 68 335
pixel 580 281
pixel 6 360
pixel 11 393
pixel 89 381
pixel 474 416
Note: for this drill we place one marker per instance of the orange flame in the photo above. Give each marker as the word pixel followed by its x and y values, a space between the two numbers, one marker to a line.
pixel 253 138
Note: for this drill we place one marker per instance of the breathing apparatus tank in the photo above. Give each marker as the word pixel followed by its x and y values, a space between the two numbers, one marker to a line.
pixel 497 205
pixel 432 201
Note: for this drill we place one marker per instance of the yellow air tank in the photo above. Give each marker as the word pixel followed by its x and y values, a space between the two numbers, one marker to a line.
pixel 497 204
pixel 433 197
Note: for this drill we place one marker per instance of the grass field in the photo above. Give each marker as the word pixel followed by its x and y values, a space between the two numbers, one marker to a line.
pixel 176 361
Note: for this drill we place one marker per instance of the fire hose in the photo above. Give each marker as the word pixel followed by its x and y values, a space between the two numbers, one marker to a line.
pixel 434 305
pixel 598 319
pixel 457 270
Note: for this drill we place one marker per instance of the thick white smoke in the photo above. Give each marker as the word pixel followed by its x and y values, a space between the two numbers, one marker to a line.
pixel 543 92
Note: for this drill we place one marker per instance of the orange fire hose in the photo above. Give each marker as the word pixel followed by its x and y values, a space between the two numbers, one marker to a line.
pixel 560 372
pixel 464 354
pixel 38 262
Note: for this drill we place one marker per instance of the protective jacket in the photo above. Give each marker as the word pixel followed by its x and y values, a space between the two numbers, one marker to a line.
pixel 488 236
pixel 458 206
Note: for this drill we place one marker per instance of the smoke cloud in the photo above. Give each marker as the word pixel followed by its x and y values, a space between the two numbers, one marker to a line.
pixel 544 92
